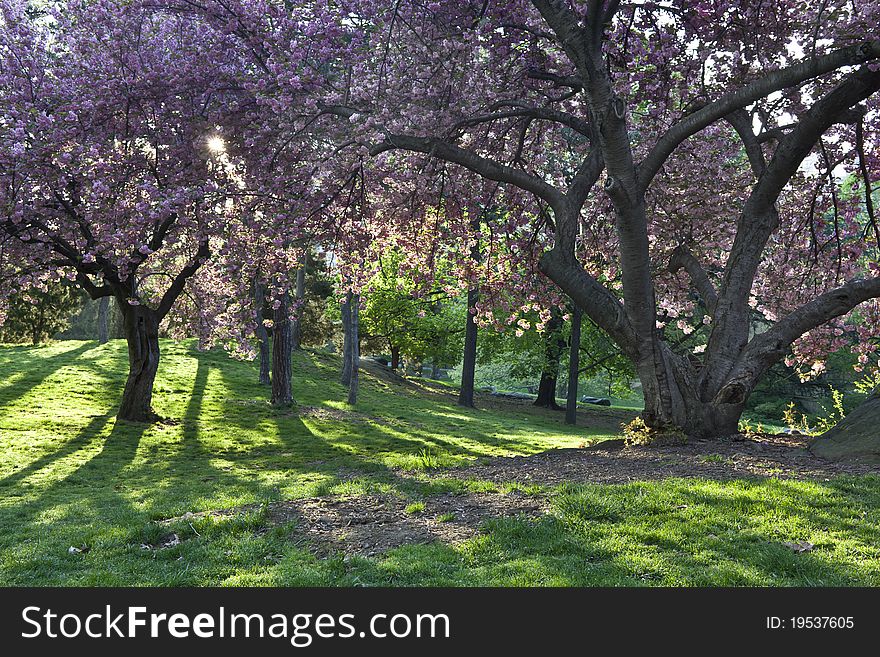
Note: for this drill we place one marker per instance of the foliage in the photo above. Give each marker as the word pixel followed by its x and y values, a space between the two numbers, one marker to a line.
pixel 422 326
pixel 637 432
pixel 801 423
pixel 36 315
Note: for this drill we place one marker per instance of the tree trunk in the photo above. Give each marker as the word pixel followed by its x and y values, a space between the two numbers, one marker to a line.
pixel 395 358
pixel 354 348
pixel 688 411
pixel 435 370
pixel 574 364
pixel 296 333
pixel 281 365
pixel 469 363
pixel 142 335
pixel 262 334
pixel 554 345
pixel 547 392
pixel 345 379
pixel 103 320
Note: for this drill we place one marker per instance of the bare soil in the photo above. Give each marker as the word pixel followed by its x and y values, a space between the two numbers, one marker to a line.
pixel 372 524
pixel 611 462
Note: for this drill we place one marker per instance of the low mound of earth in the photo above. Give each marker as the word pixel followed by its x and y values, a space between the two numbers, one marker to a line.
pixel 610 462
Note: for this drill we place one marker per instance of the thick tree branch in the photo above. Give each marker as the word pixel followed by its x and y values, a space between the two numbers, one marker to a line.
pixel 180 280
pixel 94 291
pixel 742 123
pixel 798 143
pixel 773 81
pixel 585 178
pixel 601 305
pixel 767 348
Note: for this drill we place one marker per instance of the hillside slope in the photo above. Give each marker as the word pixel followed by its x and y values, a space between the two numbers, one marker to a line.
pixel 229 491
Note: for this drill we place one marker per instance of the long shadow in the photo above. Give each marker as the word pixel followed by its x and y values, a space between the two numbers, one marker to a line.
pixel 93 483
pixel 187 475
pixel 38 370
pixel 83 438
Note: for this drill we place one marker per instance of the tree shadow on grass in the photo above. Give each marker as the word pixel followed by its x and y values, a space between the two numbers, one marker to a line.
pixel 84 503
pixel 83 438
pixel 22 371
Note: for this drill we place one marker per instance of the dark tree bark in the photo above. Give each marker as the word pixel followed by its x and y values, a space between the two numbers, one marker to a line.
pixel 574 364
pixel 103 320
pixel 282 394
pixel 469 362
pixel 553 348
pixel 296 332
pixel 142 335
pixel 345 379
pixel 262 334
pixel 435 370
pixel 395 358
pixel 354 349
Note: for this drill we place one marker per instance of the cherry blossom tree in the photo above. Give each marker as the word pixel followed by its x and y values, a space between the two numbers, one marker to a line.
pixel 695 146
pixel 106 175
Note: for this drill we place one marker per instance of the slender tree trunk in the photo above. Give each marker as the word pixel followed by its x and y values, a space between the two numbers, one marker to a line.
pixel 435 369
pixel 281 366
pixel 296 333
pixel 469 362
pixel 262 334
pixel 103 320
pixel 395 358
pixel 574 364
pixel 354 349
pixel 142 335
pixel 346 341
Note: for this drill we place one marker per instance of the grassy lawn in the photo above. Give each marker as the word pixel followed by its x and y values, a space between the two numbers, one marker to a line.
pixel 72 476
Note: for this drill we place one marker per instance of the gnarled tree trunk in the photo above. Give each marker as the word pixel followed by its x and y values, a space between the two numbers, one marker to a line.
pixel 142 335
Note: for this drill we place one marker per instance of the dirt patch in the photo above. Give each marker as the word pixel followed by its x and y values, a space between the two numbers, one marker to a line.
pixel 371 524
pixel 766 455
pixel 322 413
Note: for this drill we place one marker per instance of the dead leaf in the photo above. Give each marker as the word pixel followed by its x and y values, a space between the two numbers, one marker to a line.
pixel 799 546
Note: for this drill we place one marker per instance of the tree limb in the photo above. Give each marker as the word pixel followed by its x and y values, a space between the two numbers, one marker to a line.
pixel 180 280
pixel 773 81
pixel 478 164
pixel 682 258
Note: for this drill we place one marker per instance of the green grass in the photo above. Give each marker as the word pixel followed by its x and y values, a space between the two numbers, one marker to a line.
pixel 72 476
